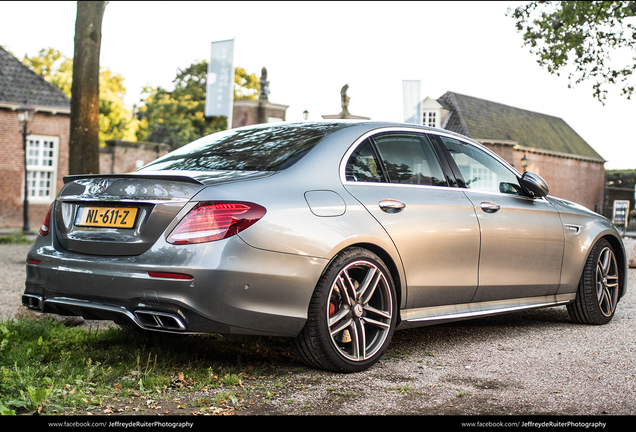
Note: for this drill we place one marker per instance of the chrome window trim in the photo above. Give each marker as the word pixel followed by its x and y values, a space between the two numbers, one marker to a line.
pixel 400 185
pixel 424 131
pixel 483 192
pixel 356 143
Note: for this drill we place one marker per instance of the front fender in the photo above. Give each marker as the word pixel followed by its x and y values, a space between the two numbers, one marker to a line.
pixel 582 229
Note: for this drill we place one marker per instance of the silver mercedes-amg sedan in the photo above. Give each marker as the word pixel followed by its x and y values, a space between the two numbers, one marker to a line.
pixel 333 234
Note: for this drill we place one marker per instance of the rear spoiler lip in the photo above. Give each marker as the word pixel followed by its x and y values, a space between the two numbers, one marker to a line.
pixel 180 178
pixel 201 178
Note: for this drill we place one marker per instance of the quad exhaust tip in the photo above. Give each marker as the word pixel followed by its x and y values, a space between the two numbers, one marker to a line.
pixel 159 320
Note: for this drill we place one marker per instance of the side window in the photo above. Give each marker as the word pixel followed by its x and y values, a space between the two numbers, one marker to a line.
pixel 410 159
pixel 363 165
pixel 480 170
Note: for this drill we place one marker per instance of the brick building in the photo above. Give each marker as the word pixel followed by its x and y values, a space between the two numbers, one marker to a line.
pixel 47 142
pixel 551 148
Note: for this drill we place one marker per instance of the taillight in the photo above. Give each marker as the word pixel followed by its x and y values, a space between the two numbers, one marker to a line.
pixel 211 221
pixel 46 225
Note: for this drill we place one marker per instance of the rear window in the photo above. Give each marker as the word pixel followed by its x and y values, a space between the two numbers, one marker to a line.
pixel 255 149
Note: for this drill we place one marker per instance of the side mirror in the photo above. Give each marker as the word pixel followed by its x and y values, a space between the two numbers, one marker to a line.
pixel 535 184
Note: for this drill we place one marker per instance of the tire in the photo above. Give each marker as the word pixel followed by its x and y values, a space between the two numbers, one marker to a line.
pixel 597 294
pixel 351 316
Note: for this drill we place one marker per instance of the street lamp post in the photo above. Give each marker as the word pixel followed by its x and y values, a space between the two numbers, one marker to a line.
pixel 524 162
pixel 26 113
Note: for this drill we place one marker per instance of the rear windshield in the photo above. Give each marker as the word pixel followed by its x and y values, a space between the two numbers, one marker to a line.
pixel 255 149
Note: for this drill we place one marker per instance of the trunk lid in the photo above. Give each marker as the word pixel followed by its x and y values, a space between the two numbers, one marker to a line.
pixel 125 214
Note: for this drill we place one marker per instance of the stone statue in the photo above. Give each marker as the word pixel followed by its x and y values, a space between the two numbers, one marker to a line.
pixel 344 97
pixel 263 93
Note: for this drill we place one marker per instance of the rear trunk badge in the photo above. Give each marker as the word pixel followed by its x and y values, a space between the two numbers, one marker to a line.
pixel 99 187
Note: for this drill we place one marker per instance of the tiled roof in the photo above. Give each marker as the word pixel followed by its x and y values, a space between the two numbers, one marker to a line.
pixel 485 120
pixel 18 83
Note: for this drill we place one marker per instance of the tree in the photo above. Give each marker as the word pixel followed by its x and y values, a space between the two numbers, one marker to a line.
pixel 116 120
pixel 54 67
pixel 178 117
pixel 84 136
pixel 246 85
pixel 621 178
pixel 590 37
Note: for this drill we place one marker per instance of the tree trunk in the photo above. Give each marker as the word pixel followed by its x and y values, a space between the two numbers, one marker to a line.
pixel 84 137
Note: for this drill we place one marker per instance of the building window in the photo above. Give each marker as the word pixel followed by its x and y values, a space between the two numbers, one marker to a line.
pixel 430 119
pixel 42 152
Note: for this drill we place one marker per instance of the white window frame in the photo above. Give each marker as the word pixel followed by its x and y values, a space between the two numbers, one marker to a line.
pixel 431 118
pixel 42 161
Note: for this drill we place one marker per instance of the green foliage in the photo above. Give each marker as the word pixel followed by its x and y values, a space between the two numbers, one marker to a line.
pixel 116 120
pixel 174 117
pixel 48 368
pixel 54 67
pixel 589 37
pixel 178 117
pixel 621 178
pixel 15 239
pixel 247 85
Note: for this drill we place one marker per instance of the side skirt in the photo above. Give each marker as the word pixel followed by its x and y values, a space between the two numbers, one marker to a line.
pixel 439 314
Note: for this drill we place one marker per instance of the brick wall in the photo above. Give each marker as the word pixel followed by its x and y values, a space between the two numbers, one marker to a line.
pixel 12 164
pixel 119 157
pixel 248 112
pixel 580 181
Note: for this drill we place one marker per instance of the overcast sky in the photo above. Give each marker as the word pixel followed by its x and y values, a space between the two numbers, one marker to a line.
pixel 311 50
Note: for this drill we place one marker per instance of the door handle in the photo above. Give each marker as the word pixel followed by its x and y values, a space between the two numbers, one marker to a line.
pixel 391 205
pixel 490 207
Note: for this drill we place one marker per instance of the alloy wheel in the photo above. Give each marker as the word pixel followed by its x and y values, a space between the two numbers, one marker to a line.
pixel 607 281
pixel 360 309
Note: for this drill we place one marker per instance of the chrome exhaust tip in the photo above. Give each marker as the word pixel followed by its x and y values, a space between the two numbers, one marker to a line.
pixel 160 320
pixel 33 302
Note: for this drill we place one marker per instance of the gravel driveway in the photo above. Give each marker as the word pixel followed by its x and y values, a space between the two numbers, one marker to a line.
pixel 13 264
pixel 532 362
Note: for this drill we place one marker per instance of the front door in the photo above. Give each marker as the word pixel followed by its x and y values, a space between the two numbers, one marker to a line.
pixel 522 238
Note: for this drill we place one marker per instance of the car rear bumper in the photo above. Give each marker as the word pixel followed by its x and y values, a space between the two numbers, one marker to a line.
pixel 233 288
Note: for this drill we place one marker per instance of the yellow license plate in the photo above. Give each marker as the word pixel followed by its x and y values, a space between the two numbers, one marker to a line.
pixel 112 217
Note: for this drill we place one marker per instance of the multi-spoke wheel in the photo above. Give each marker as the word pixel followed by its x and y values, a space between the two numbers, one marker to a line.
pixel 352 314
pixel 597 295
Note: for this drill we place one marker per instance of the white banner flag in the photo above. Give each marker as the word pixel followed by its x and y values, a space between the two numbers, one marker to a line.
pixel 220 92
pixel 412 101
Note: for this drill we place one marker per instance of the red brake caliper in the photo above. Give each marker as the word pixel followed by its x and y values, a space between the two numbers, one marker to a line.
pixel 334 306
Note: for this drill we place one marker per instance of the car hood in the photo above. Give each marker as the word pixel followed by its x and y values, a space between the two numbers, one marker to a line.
pixel 564 206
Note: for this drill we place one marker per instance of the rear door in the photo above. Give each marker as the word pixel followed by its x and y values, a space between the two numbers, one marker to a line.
pixel 398 177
